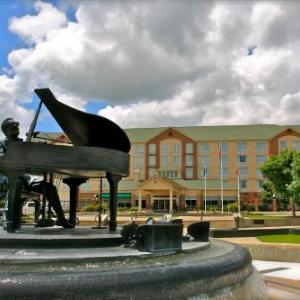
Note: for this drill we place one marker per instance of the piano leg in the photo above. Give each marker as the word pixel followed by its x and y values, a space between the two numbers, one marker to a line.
pixel 113 181
pixel 73 184
pixel 13 220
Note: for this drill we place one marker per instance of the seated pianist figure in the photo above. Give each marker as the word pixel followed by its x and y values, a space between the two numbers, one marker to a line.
pixel 10 128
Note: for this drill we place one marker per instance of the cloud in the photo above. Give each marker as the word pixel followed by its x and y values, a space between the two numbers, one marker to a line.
pixel 34 29
pixel 163 63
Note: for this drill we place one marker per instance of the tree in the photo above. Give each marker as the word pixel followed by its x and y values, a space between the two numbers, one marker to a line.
pixel 267 193
pixel 294 186
pixel 278 170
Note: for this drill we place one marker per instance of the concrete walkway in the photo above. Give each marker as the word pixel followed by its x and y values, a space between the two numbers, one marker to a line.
pixel 282 278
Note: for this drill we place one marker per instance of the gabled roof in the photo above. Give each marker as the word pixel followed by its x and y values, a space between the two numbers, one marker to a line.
pixel 214 133
pixel 165 181
pixel 205 133
pixel 141 135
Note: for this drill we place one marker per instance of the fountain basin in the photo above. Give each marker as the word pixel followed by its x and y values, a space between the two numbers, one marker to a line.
pixel 220 271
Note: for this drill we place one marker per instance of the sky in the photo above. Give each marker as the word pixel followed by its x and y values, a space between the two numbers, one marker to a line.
pixel 152 63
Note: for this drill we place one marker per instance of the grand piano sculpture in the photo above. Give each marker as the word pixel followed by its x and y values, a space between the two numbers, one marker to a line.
pixel 100 150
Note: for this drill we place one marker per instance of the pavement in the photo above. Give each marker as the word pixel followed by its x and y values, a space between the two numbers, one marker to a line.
pixel 282 278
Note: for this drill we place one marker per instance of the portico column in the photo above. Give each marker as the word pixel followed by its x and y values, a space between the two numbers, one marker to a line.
pixel 151 201
pixel 140 200
pixel 177 201
pixel 171 201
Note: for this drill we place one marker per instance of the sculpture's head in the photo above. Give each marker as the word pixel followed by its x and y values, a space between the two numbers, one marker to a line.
pixel 10 128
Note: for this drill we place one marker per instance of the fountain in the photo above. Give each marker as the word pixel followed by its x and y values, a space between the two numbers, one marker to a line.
pixel 81 263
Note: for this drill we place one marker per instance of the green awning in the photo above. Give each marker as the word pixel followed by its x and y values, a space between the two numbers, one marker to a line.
pixel 120 195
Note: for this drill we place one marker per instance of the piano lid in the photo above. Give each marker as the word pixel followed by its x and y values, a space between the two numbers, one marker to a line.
pixel 82 128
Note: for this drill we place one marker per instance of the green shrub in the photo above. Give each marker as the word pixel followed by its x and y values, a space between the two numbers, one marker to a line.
pixel 90 208
pixel 103 206
pixel 232 207
pixel 2 203
pixel 134 208
pixel 122 208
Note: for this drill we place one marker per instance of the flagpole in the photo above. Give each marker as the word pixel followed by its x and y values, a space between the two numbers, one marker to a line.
pixel 205 174
pixel 221 161
pixel 238 190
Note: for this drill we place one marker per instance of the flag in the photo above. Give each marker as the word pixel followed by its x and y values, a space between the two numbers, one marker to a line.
pixel 205 171
pixel 237 171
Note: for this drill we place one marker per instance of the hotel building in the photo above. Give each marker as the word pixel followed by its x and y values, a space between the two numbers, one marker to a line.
pixel 178 168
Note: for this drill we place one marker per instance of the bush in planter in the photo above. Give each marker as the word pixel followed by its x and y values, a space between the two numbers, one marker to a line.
pixel 232 207
pixel 90 208
pixel 103 206
pixel 134 209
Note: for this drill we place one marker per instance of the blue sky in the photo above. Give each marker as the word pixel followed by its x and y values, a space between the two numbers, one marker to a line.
pixel 10 42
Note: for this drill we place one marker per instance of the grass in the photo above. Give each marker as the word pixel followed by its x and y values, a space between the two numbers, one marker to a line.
pixel 280 238
pixel 265 217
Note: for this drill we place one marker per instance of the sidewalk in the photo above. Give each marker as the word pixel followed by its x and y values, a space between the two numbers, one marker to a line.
pixel 282 278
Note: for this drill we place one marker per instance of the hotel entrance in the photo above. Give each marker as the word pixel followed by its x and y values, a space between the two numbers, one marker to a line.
pixel 160 203
pixel 158 192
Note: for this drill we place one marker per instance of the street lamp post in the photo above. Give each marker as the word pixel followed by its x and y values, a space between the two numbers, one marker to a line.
pixel 99 225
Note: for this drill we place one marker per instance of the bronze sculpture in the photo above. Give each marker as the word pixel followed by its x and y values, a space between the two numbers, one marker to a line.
pixel 100 150
pixel 10 128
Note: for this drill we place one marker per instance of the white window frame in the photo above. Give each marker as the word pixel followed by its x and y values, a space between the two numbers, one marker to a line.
pixel 152 148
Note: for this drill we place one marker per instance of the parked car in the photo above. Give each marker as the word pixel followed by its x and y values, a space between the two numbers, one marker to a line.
pixel 28 208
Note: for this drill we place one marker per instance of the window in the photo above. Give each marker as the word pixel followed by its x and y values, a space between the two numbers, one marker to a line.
pixel 225 159
pixel 204 171
pixel 138 149
pixel 259 172
pixel 204 160
pixel 152 172
pixel 282 145
pixel 152 148
pixel 176 148
pixel 242 159
pixel 164 148
pixel 164 160
pixel 176 160
pixel 138 160
pixel 261 147
pixel 189 172
pixel 259 184
pixel 168 174
pixel 189 148
pixel 204 148
pixel 152 160
pixel 243 171
pixel 139 173
pixel 224 147
pixel 189 160
pixel 225 172
pixel 296 145
pixel 87 186
pixel 241 147
pixel 190 202
pixel 260 159
pixel 243 184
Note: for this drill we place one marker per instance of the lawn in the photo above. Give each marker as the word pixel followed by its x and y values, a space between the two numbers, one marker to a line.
pixel 280 238
pixel 265 217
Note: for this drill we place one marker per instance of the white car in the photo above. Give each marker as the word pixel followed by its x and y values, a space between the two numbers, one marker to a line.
pixel 28 208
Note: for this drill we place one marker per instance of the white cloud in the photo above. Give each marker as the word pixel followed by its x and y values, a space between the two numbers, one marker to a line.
pixel 161 63
pixel 34 29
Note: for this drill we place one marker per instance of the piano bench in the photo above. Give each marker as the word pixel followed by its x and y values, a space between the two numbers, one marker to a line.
pixel 159 237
